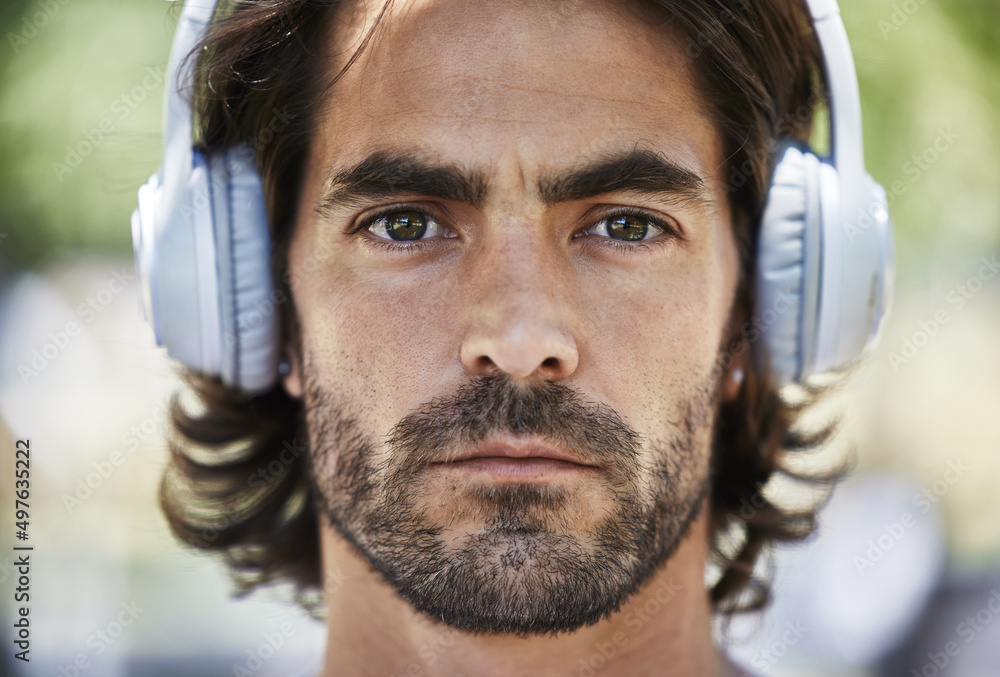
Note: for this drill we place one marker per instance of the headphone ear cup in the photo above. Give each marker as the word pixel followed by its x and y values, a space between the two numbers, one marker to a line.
pixel 788 265
pixel 203 250
pixel 249 304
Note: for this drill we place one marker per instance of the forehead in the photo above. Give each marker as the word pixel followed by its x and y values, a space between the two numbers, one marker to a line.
pixel 543 82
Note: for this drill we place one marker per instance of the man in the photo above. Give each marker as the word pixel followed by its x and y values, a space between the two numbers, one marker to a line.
pixel 518 409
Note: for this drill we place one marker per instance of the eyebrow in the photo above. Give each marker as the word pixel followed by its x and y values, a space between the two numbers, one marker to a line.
pixel 638 171
pixel 384 174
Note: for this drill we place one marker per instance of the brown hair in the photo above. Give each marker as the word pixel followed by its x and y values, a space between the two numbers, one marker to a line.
pixel 236 483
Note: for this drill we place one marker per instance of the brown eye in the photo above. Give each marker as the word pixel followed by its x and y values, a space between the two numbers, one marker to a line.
pixel 637 228
pixel 627 227
pixel 412 226
pixel 404 225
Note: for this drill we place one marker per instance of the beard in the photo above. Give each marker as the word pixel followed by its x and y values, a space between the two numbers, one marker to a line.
pixel 522 558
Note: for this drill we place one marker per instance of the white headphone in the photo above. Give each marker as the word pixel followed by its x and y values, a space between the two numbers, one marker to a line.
pixel 202 246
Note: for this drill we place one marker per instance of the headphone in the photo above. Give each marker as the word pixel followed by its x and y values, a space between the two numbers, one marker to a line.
pixel 203 250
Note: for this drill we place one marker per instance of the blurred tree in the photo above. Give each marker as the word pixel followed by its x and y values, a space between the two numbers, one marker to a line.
pixel 81 88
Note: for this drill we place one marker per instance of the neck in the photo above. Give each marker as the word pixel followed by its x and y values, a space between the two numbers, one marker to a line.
pixel 664 629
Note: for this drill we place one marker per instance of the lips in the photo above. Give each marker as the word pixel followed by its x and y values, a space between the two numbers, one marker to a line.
pixel 520 452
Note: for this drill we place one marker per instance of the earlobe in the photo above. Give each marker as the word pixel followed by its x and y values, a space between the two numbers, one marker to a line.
pixel 290 371
pixel 734 378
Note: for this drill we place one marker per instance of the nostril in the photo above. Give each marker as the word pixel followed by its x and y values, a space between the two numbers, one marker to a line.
pixel 485 365
pixel 520 355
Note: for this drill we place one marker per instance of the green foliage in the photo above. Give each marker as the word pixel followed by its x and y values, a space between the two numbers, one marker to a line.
pixel 64 73
pixel 927 67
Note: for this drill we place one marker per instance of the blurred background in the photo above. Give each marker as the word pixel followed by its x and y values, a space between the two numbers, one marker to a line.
pixel 905 579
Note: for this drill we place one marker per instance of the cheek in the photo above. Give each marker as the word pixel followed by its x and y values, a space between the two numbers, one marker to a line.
pixel 394 332
pixel 650 343
pixel 382 344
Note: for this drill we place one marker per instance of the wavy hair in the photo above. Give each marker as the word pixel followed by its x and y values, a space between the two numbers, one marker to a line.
pixel 237 484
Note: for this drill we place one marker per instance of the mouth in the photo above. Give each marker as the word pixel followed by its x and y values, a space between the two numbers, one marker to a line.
pixel 517 461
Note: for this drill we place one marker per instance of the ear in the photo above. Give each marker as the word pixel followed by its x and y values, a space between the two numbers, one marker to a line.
pixel 733 379
pixel 292 380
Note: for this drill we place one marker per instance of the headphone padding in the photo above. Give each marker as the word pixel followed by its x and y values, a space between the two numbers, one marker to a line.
pixel 250 312
pixel 788 265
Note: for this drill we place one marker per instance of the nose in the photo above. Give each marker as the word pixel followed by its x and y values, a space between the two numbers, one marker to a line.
pixel 522 349
pixel 518 321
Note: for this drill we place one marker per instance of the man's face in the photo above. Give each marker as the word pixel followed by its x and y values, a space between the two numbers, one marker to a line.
pixel 513 232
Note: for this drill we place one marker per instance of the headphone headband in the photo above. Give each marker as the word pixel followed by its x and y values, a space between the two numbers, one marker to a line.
pixel 856 304
pixel 847 137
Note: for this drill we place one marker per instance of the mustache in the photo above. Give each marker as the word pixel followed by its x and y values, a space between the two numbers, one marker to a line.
pixel 496 406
